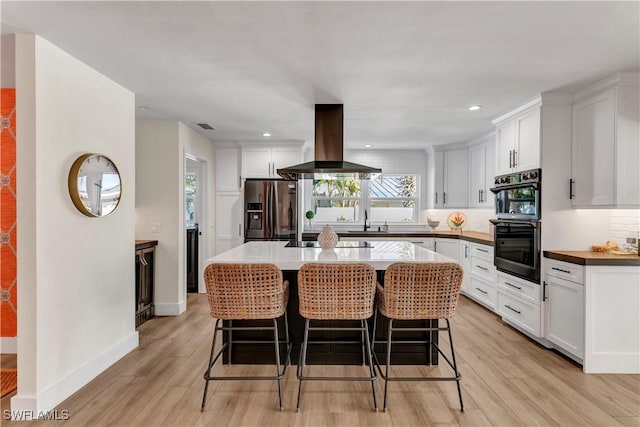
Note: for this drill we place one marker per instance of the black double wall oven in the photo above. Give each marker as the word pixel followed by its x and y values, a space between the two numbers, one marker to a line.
pixel 517 224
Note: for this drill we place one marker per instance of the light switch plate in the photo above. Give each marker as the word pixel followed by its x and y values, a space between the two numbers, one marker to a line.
pixel 155 227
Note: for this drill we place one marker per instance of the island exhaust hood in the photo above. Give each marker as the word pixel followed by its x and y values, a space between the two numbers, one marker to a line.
pixel 328 150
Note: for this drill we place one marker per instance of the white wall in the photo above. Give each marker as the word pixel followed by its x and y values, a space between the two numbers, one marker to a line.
pixel 201 147
pixel 161 146
pixel 76 274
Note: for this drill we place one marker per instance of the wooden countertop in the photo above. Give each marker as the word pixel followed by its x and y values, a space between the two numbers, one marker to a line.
pixel 143 244
pixel 472 236
pixel 593 258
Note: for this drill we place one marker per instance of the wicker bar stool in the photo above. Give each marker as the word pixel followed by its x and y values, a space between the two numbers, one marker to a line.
pixel 335 291
pixel 419 291
pixel 247 292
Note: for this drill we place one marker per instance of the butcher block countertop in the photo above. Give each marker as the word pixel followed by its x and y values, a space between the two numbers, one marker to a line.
pixel 593 258
pixel 472 236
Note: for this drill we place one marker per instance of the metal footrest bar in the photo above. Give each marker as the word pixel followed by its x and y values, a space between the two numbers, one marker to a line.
pixel 303 356
pixel 280 372
pixel 387 378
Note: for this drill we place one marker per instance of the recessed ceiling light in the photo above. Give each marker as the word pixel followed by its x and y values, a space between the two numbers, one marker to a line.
pixel 142 107
pixel 367 145
pixel 266 134
pixel 474 107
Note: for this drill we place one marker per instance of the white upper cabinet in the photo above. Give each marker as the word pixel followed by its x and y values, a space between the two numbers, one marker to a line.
pixel 260 161
pixel 605 145
pixel 452 179
pixel 227 170
pixel 518 140
pixel 481 174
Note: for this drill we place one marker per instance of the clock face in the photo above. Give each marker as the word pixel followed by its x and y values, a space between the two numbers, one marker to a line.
pixel 94 185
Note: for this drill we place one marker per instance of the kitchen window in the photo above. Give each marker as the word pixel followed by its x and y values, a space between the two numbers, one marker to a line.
pixel 391 198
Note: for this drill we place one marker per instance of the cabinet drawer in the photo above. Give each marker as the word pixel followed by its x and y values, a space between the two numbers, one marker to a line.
pixel 521 314
pixel 483 292
pixel 564 270
pixel 482 251
pixel 483 268
pixel 527 291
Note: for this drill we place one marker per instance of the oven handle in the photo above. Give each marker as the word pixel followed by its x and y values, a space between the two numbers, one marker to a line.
pixel 534 224
pixel 535 185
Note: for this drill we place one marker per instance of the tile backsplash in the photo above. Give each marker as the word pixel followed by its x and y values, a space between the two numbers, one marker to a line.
pixel 478 219
pixel 624 223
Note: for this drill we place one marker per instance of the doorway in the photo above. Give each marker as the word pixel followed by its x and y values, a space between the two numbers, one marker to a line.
pixel 194 220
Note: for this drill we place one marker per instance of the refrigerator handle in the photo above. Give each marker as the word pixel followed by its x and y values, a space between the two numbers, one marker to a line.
pixel 272 210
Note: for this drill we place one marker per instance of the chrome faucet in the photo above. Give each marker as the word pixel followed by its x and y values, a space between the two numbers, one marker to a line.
pixel 365 221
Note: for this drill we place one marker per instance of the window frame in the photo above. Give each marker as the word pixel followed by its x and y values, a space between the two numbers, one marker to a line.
pixel 364 202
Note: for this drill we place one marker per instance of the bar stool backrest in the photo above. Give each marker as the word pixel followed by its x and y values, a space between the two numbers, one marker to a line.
pixel 245 291
pixel 336 291
pixel 421 290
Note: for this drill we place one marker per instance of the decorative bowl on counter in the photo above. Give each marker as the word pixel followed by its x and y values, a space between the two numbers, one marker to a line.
pixel 433 224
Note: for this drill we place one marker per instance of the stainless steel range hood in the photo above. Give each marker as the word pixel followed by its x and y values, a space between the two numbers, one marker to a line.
pixel 328 150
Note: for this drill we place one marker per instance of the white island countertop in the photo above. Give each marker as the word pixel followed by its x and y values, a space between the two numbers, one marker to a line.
pixel 380 255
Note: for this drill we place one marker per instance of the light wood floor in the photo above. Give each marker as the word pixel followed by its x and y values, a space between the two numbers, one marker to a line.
pixel 507 380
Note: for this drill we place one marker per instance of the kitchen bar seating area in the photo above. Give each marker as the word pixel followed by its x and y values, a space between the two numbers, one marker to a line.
pixel 338 297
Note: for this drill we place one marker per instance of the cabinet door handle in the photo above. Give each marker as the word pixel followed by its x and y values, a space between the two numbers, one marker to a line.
pixel 482 200
pixel 435 246
pixel 479 196
pixel 239 181
pixel 484 292
pixel 444 198
pixel 571 182
pixel 482 250
pixel 513 286
pixel 436 197
pixel 482 268
pixel 544 291
pixel 515 158
pixel 561 270
pixel 466 251
pixel 512 309
pixel 510 159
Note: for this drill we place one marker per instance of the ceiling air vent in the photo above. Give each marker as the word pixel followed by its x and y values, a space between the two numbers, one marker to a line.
pixel 206 126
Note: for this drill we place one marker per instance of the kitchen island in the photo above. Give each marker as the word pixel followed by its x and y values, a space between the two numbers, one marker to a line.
pixel 380 254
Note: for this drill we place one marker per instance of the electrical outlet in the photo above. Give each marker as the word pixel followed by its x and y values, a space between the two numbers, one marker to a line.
pixel 155 227
pixel 632 240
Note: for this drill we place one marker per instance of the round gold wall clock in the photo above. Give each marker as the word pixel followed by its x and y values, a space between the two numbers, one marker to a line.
pixel 94 185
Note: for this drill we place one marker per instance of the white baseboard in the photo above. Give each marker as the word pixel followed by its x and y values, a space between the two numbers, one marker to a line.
pixel 612 363
pixel 170 309
pixel 49 398
pixel 9 345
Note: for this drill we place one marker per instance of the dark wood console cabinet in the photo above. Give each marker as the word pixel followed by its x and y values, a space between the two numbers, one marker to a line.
pixel 145 271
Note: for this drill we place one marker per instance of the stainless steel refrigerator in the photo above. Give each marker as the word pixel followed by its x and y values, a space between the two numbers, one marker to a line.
pixel 271 210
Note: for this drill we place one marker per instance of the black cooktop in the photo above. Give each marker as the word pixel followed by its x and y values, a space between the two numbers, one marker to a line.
pixel 341 244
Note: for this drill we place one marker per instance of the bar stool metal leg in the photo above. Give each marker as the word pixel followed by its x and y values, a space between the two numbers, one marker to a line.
pixel 230 340
pixel 276 338
pixel 213 346
pixel 303 358
pixel 455 366
pixel 386 373
pixel 371 368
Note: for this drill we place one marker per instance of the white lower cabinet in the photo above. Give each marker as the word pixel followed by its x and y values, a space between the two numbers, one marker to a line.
pixel 448 247
pixel 483 292
pixel 465 263
pixel 564 306
pixel 519 313
pixel 565 314
pixel 519 303
pixel 480 273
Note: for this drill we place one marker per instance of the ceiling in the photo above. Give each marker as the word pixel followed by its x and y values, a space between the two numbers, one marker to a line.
pixel 405 71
